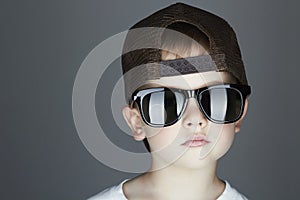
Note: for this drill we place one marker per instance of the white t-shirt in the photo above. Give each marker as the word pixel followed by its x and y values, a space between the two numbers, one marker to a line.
pixel 116 193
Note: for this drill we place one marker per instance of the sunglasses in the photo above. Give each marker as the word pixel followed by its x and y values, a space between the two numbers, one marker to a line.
pixel 162 107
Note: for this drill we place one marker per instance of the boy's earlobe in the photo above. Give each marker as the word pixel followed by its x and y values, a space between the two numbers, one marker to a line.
pixel 134 121
pixel 239 122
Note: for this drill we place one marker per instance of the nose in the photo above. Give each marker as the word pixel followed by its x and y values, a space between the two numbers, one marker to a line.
pixel 192 117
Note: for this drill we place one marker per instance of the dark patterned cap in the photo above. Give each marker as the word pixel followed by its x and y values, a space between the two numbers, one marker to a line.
pixel 141 59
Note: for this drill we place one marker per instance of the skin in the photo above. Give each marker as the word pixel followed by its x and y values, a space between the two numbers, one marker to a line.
pixel 177 172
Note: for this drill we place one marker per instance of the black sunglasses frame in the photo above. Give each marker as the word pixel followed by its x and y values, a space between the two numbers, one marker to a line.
pixel 138 95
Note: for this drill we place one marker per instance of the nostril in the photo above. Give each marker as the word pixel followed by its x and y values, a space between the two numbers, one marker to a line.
pixel 190 124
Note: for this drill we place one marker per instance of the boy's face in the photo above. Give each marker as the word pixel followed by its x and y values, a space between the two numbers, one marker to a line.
pixel 168 144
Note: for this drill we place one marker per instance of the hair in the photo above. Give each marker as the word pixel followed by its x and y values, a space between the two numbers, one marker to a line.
pixel 177 43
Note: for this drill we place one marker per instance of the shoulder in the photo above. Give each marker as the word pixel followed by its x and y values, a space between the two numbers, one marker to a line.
pixel 111 193
pixel 231 193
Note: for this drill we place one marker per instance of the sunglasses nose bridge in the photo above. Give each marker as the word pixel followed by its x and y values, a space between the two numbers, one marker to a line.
pixel 191 93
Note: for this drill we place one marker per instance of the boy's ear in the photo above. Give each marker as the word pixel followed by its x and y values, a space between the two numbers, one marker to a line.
pixel 134 121
pixel 239 122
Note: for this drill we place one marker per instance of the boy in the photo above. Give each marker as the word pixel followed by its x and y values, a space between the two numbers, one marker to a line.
pixel 187 100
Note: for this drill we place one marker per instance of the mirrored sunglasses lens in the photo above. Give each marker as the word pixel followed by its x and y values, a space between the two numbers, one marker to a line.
pixel 162 107
pixel 221 104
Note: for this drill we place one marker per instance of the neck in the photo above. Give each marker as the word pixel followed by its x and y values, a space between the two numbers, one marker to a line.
pixel 175 182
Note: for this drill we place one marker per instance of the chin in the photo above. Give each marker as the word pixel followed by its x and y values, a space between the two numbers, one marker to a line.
pixel 192 159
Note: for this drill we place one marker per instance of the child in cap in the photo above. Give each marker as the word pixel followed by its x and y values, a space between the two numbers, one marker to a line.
pixel 187 95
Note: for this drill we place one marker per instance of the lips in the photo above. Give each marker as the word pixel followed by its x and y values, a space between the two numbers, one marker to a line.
pixel 196 141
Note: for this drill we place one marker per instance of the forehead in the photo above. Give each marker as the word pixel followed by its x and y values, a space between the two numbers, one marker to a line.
pixel 190 81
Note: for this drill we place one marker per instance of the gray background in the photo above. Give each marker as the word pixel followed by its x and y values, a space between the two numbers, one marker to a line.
pixel 42 45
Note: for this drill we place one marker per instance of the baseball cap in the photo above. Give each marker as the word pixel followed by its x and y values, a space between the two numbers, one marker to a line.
pixel 141 58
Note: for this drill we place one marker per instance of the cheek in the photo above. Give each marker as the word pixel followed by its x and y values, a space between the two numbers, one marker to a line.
pixel 225 140
pixel 160 138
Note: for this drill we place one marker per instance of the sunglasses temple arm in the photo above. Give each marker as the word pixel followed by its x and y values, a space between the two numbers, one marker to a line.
pixel 131 101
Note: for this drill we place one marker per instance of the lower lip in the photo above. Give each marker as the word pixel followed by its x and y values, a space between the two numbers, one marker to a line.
pixel 195 143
